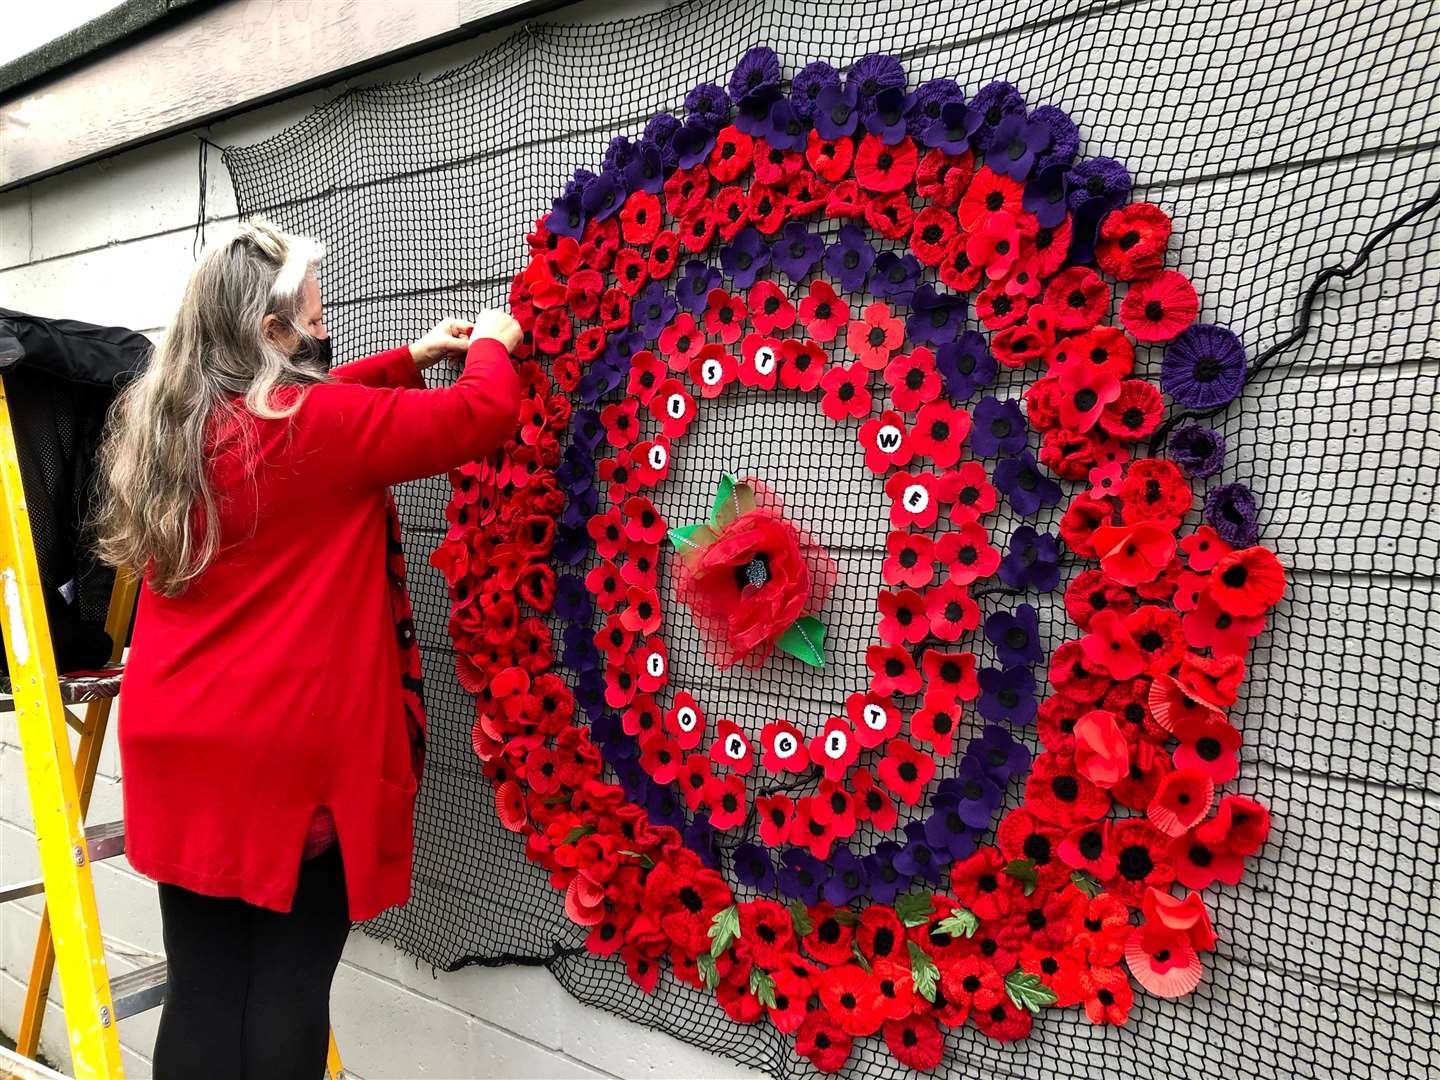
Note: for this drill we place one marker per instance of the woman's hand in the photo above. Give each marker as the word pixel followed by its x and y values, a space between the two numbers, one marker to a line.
pixel 448 338
pixel 498 325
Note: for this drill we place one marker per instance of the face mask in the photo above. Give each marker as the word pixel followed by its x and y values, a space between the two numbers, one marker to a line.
pixel 313 353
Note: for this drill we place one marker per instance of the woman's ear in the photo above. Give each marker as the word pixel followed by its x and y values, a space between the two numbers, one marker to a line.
pixel 277 333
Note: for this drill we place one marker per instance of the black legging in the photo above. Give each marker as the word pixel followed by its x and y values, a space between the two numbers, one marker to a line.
pixel 249 991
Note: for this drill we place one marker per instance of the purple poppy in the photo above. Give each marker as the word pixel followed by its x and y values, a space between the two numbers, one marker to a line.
pixel 893 276
pixel 805 87
pixel 935 317
pixel 752 113
pixel 572 545
pixel 836 112
pixel 580 507
pixel 979 794
pixel 653 310
pixel 619 153
pixel 1231 511
pixel 1028 489
pixel 701 838
pixel 886 116
pixel 646 171
pixel 802 876
pixel 1064 137
pixel 849 259
pixel 566 217
pixel 1099 178
pixel 590 693
pixel 998 429
pixel 993 103
pixel 753 867
pixel 1007 695
pixel 757 72
pixel 709 104
pixel 795 252
pixel 660 131
pixel 578 182
pixel 693 143
pixel 599 380
pixel 1016 637
pixel 586 429
pixel 1033 561
pixel 1000 755
pixel 745 256
pixel 579 653
pixel 918 859
pixel 886 882
pixel 871 74
pixel 1204 367
pixel 603 196
pixel 966 365
pixel 1045 194
pixel 1014 145
pixel 693 288
pixel 783 129
pixel 929 98
pixel 572 599
pixel 953 129
pixel 946 829
pixel 1085 228
pixel 1198 450
pixel 848 877
pixel 663 807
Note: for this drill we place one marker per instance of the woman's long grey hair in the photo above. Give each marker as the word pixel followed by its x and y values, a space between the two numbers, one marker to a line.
pixel 157 507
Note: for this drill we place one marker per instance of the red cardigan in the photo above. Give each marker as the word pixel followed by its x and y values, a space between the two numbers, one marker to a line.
pixel 271 686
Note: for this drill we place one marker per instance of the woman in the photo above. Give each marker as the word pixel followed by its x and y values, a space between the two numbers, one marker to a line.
pixel 269 756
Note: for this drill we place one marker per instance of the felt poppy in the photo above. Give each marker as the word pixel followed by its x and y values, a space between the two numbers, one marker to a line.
pixel 914 499
pixel 994 246
pixel 1209 745
pixel 725 799
pixel 913 379
pixel 1110 647
pixel 967 553
pixel 849 258
pixel 814 833
pixel 950 675
pixel 770 309
pixel 823 312
pixel 903 619
pixel 905 770
pixel 660 757
pixel 712 370
pixel 802 365
pixel 872 805
pixel 1102 754
pixel 909 559
pixel 835 749
pixel 1132 241
pixel 935 724
pixel 875 336
pixel 1085 392
pixel 884 438
pixel 724 316
pixel 1101 347
pixel 1027 489
pixel 775 814
pixel 1206 626
pixel 674 408
pixel 892 671
pixel 950 611
pixel 940 428
pixel 685 721
pixel 845 395
pixel 759 361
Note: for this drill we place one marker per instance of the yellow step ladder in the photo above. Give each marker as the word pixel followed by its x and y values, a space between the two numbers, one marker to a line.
pixel 69 938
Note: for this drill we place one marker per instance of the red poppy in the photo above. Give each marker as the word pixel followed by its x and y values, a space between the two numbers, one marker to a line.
pixel 767 933
pixel 1107 995
pixel 909 559
pixel 931 234
pixel 1102 754
pixel 951 611
pixel 1149 766
pixel 674 408
pixel 835 749
pixel 913 380
pixel 1157 633
pixel 830 940
pixel 940 430
pixel 1210 746
pixel 883 168
pixel 1090 592
pixel 872 805
pixel 660 757
pixel 950 675
pixel 903 620
pixel 1240 826
pixel 956 269
pixel 775 813
pixel 1109 647
pixel 1247 583
pixel 725 799
pixel 1215 682
pixel 640 218
pixel 769 208
pixel 631 272
pixel 774 165
pixel 1185 916
pixel 936 723
pixel 1078 297
pixel 968 492
pixel 681 341
pixel 988 194
pixel 1057 792
pixel 1159 307
pixel 823 312
pixel 914 499
pixel 783 746
pixel 1163 961
pixel 646 373
pixel 1132 554
pixel 663 253
pixel 731 154
pixel 770 309
pixel 1155 489
pixel 941 178
pixel 966 553
pixel 759 361
pixel 915 1041
pixel 686 189
pixel 905 770
pixel 1088 848
pixel 830 158
pixel 846 200
pixel 712 370
pixel 685 721
pixel 845 393
pixel 1085 391
pixel 724 316
pixel 1203 549
pixel 731 748
pixel 885 441
pixel 730 210
pixel 1132 241
pixel 1102 347
pixel 1003 1022
pixel 1182 799
pixel 1078 525
pixel 1055 722
pixel 697 229
pixel 582 293
pixel 1135 413
pixel 821 1040
pixel 1143 860
pixel 875 718
pixel 802 364
pixel 890 215
pixel 875 336
pixel 1016 346
pixel 994 246
pixel 996 309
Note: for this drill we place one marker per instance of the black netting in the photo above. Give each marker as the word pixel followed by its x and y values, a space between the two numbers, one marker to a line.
pixel 1294 146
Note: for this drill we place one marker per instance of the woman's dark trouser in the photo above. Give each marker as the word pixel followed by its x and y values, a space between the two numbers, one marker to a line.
pixel 249 990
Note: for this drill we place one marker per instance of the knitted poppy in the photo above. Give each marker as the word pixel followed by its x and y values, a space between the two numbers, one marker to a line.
pixel 830 158
pixel 1197 449
pixel 823 312
pixel 1057 792
pixel 1089 592
pixel 846 200
pixel 1080 522
pixel 1101 930
pixel 931 234
pixel 845 393
pixel 1101 346
pixel 821 1040
pixel 956 269
pixel 1022 344
pixel 1204 367
pixel 885 440
pixel 1132 241
pixel 1143 860
pixel 1003 1022
pixel 1078 297
pixel 1136 411
pixel 1240 826
pixel 1055 722
pixel 915 1041
pixel 663 253
pixel 996 309
pixel 875 336
pixel 1230 510
pixel 1107 995
pixel 941 178
pixel 767 209
pixel 1214 681
pixel 883 168
pixel 1157 633
pixel 1158 308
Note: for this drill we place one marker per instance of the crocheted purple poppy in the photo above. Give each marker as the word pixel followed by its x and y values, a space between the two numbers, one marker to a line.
pixel 693 288
pixel 646 171
pixel 871 74
pixel 1204 367
pixel 796 251
pixel 709 104
pixel 619 153
pixel 578 182
pixel 1001 755
pixel 954 129
pixel 1033 561
pixel 1007 695
pixel 1016 636
pixel 782 128
pixel 886 115
pixel 653 310
pixel 745 256
pixel 848 877
pixel 1099 178
pixel 753 867
pixel 1045 193
pixel 757 72
pixel 1014 145
pixel 836 112
pixel 918 859
pixel 661 130
pixel 894 276
pixel 849 259
pixel 802 876
pixel 935 318
pixel 999 428
pixel 886 882
pixel 1064 137
pixel 1230 510
pixel 966 365
pixel 1197 449
pixel 993 103
pixel 929 98
pixel 950 828
pixel 805 87
pixel 1028 489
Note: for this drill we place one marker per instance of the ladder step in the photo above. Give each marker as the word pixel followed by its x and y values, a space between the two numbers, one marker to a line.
pixel 138 990
pixel 78 687
pixel 103 841
pixel 21 889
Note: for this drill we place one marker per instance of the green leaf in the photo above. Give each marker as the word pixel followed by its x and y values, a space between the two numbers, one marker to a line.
pixel 724 929
pixel 763 987
pixel 556 800
pixel 577 833
pixel 1086 884
pixel 845 917
pixel 723 494
pixel 682 536
pixel 961 924
pixel 804 639
pixel 800 916
pixel 923 972
pixel 709 974
pixel 914 908
pixel 644 860
pixel 1027 991
pixel 859 957
pixel 1023 870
